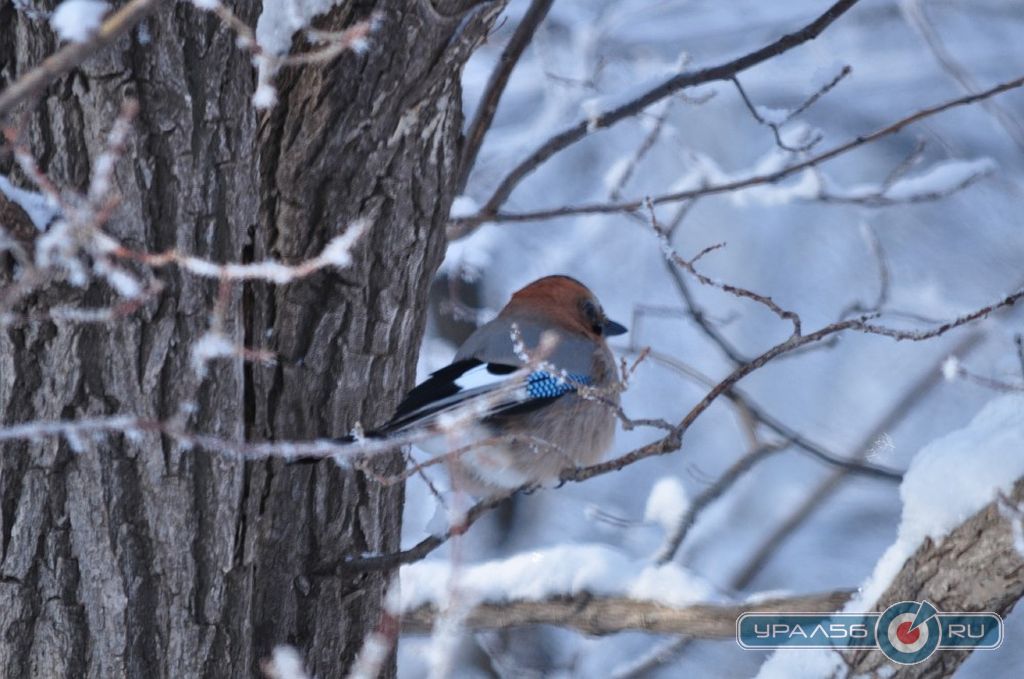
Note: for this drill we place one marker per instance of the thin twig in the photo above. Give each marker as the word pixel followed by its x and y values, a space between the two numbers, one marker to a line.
pixel 736 185
pixel 902 408
pixel 678 82
pixel 674 539
pixel 688 265
pixel 491 97
pixel 648 142
pixel 916 14
pixel 776 127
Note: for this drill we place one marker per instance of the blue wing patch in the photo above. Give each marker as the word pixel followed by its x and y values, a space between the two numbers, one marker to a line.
pixel 542 384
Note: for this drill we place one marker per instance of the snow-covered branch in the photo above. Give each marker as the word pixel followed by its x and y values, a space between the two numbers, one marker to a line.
pixel 603 614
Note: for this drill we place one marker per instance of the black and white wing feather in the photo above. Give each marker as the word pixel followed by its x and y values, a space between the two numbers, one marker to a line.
pixel 493 388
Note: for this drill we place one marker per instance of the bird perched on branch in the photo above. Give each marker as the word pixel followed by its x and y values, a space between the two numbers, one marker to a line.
pixel 528 394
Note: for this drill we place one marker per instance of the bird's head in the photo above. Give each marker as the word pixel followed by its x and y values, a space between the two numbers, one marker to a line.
pixel 565 303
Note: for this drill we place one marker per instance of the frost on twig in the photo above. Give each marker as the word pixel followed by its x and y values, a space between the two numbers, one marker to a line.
pixel 270 42
pixel 774 119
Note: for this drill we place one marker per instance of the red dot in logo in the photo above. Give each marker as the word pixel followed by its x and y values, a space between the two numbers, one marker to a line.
pixel 904 634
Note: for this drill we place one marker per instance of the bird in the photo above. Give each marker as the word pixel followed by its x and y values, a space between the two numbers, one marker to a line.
pixel 528 394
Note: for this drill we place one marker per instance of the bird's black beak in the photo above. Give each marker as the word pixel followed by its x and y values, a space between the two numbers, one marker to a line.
pixel 611 329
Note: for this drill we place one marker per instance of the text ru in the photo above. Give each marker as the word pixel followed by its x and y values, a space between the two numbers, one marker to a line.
pixel 961 631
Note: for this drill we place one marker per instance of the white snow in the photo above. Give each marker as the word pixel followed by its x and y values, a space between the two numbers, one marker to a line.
pixel 463 206
pixel 285 663
pixel 952 478
pixel 775 116
pixel 666 503
pixel 280 19
pixel 208 347
pixel 77 20
pixel 37 206
pixel 265 95
pixel 940 178
pixel 950 368
pixel 561 570
pixel 338 251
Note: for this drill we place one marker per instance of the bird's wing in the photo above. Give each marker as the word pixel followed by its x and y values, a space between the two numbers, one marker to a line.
pixel 489 389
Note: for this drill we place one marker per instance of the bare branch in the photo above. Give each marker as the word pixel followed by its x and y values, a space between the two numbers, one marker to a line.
pixel 1018 339
pixel 425 546
pixel 581 129
pixel 466 224
pixel 754 410
pixel 688 265
pixel 672 441
pixel 913 395
pixel 776 126
pixel 674 539
pixel 488 105
pixel 599 615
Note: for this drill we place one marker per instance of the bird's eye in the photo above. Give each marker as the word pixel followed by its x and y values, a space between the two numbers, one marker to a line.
pixel 593 315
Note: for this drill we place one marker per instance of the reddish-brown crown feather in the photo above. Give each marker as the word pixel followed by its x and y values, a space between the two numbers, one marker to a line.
pixel 557 299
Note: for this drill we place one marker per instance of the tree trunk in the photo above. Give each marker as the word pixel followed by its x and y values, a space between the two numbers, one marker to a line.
pixel 136 557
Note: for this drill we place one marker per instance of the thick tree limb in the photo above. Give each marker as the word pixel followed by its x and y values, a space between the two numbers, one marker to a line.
pixel 73 54
pixel 608 615
pixel 975 568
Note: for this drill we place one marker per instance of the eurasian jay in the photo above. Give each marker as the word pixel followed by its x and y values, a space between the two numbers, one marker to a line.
pixel 528 394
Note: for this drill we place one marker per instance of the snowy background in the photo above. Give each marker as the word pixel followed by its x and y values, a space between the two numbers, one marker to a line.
pixel 945 257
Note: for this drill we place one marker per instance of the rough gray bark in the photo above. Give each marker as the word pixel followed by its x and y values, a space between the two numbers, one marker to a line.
pixel 975 568
pixel 137 558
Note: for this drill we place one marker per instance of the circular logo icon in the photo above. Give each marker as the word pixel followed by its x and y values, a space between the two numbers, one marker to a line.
pixel 903 637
